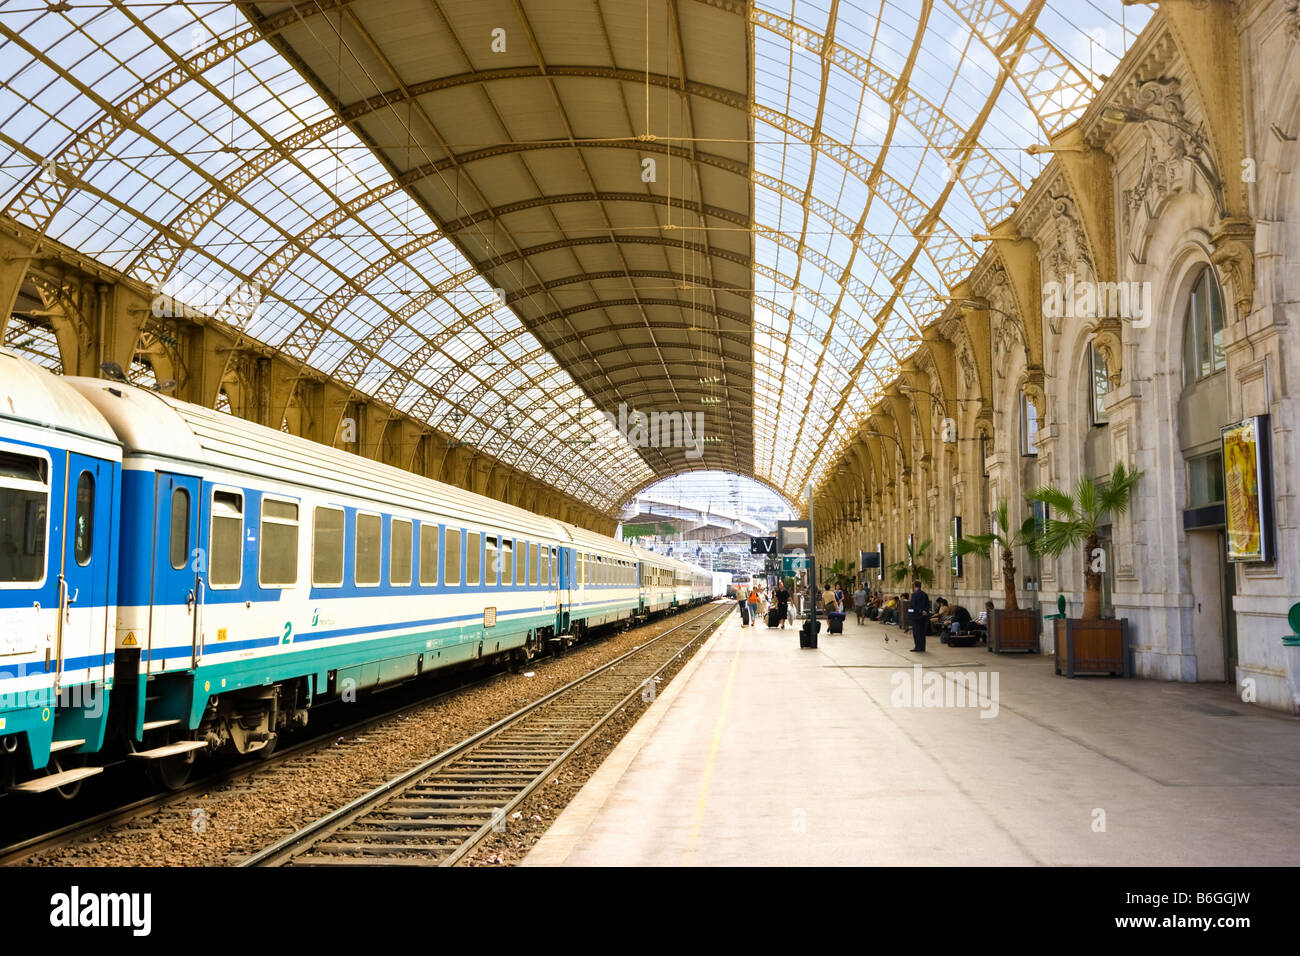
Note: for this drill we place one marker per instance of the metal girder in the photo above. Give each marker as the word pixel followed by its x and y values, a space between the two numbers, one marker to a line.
pixel 41 199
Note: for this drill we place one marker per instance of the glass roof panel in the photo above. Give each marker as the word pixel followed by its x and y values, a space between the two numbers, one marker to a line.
pixel 190 168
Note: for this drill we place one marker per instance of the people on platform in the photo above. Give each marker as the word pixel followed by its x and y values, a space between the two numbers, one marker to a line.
pixel 828 600
pixel 919 615
pixel 753 605
pixel 782 603
pixel 889 611
pixel 959 620
pixel 860 603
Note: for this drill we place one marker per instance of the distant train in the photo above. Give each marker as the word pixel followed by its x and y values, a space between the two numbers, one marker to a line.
pixel 176 580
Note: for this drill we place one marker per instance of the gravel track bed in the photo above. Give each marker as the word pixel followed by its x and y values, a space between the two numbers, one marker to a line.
pixel 535 815
pixel 224 825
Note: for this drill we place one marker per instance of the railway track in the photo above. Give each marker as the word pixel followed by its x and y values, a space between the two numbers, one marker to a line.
pixel 23 850
pixel 436 813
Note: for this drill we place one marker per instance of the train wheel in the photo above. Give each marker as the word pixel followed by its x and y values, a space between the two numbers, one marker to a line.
pixel 268 749
pixel 67 761
pixel 172 773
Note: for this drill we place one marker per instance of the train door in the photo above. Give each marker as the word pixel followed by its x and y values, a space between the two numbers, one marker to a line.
pixel 176 599
pixel 554 586
pixel 83 582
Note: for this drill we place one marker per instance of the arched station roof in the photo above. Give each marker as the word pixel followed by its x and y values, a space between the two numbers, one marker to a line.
pixel 510 217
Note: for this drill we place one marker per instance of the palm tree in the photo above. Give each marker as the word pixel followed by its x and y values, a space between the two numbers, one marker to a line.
pixel 1008 541
pixel 1078 517
pixel 912 567
pixel 838 573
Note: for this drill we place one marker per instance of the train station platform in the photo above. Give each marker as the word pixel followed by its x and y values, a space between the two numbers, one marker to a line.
pixel 762 753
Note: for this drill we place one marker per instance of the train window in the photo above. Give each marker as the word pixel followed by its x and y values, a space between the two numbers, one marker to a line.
pixel 493 565
pixel 179 546
pixel 451 558
pixel 277 565
pixel 370 531
pixel 473 542
pixel 83 529
pixel 546 566
pixel 399 553
pixel 24 502
pixel 521 563
pixel 327 547
pixel 226 544
pixel 532 562
pixel 507 561
pixel 429 553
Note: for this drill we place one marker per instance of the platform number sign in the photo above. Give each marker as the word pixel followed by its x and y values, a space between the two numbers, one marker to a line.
pixel 762 545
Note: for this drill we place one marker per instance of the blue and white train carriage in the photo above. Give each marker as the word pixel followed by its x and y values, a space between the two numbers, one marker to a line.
pixel 221 578
pixel 60 467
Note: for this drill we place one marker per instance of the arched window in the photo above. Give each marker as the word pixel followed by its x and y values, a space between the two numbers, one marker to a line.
pixel 1203 330
pixel 1098 385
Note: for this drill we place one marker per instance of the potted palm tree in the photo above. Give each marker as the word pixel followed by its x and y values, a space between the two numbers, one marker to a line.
pixel 1010 629
pixel 1088 643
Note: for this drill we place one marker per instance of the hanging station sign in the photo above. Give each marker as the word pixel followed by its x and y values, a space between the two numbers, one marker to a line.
pixel 1247 490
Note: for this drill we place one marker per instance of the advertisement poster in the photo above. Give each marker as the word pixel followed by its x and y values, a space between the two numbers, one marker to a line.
pixel 1245 487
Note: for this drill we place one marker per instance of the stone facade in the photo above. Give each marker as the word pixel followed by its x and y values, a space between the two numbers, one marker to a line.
pixel 1180 168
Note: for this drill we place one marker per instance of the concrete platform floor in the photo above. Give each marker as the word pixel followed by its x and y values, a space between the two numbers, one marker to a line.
pixel 762 753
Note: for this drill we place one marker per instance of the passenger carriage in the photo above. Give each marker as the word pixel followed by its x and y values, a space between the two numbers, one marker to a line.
pixel 262 573
pixel 60 467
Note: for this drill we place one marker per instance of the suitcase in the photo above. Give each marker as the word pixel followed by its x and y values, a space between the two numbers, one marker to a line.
pixel 773 617
pixel 808 633
pixel 744 615
pixel 835 622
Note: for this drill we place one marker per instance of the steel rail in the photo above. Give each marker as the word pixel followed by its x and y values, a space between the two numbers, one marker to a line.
pixel 490 773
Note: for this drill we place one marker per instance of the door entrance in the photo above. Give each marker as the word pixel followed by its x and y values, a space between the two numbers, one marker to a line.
pixel 1228 575
pixel 1209 571
pixel 83 581
pixel 176 599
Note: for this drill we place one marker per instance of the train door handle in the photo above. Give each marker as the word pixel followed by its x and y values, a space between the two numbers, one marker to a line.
pixel 189 603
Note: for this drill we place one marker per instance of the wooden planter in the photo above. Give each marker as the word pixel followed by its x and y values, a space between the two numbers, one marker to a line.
pixel 1092 647
pixel 1014 631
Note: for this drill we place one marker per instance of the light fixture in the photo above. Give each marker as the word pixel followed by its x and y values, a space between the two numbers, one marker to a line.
pixel 1040 148
pixel 1117 114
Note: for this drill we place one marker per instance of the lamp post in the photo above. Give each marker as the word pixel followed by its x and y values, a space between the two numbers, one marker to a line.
pixel 812 559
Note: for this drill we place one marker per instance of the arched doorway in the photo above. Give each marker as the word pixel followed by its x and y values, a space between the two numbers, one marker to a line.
pixel 1202 411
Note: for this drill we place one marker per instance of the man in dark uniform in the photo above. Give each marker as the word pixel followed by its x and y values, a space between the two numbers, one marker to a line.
pixel 919 615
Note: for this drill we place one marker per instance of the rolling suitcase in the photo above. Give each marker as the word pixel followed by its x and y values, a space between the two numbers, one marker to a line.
pixel 773 617
pixel 835 622
pixel 808 633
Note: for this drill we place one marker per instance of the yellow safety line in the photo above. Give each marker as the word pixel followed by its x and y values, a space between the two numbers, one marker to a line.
pixel 703 799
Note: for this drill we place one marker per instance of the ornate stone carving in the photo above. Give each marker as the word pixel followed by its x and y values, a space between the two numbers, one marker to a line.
pixel 1234 254
pixel 1000 295
pixel 1068 254
pixel 1167 151
pixel 1291 20
pixel 1007 336
pixel 966 363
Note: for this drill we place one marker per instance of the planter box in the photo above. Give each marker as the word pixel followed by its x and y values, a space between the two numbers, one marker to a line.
pixel 1092 647
pixel 1014 631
